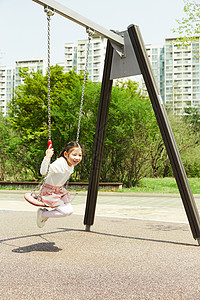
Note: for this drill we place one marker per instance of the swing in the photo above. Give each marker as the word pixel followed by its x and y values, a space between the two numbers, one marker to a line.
pixel 33 198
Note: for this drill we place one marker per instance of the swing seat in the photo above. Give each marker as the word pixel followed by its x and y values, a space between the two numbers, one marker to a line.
pixel 33 199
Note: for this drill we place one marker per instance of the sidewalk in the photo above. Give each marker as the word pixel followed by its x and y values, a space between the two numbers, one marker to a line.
pixel 120 259
pixel 163 207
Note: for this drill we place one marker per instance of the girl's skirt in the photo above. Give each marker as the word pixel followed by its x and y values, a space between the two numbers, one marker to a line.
pixel 54 196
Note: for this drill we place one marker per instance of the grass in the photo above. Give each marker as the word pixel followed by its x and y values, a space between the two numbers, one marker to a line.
pixel 162 185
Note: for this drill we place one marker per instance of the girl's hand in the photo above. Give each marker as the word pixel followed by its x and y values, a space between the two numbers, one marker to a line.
pixel 49 152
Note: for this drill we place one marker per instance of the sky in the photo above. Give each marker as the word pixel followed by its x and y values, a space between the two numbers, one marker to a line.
pixel 23 25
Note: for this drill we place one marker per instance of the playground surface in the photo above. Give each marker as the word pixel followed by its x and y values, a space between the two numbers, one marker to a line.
pixel 140 247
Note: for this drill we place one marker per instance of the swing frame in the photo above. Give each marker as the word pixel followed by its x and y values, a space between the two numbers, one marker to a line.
pixel 123 50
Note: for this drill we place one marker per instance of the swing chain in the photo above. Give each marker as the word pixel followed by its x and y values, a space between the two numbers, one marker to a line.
pixel 49 13
pixel 90 34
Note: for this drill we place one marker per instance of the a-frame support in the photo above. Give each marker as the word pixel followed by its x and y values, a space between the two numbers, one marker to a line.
pixel 164 125
pixel 99 139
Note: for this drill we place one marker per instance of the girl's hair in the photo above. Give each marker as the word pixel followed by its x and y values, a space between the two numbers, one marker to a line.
pixel 69 146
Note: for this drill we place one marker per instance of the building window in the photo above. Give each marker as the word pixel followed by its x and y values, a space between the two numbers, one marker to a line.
pixel 169 61
pixel 196 96
pixel 195 60
pixel 177 82
pixel 169 75
pixel 196 89
pixel 186 82
pixel 169 55
pixel 169 97
pixel 195 67
pixel 155 64
pixel 169 90
pixel 186 96
pixel 195 74
pixel 186 61
pixel 186 75
pixel 195 45
pixel 195 81
pixel 169 69
pixel 168 47
pixel 154 57
pixel 96 45
pixel 169 82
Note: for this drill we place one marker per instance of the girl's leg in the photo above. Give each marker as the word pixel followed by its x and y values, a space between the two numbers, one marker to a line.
pixel 60 211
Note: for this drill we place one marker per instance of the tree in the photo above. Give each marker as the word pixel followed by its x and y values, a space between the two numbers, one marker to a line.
pixel 189 26
pixel 133 146
pixel 192 117
pixel 187 143
pixel 129 137
pixel 29 117
pixel 11 167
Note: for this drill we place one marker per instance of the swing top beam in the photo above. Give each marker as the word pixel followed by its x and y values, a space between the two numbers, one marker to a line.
pixel 81 20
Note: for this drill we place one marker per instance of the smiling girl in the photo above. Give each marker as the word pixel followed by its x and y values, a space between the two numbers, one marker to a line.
pixel 54 194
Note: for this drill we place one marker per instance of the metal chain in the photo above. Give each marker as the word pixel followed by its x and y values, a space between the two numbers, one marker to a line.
pixel 49 13
pixel 90 34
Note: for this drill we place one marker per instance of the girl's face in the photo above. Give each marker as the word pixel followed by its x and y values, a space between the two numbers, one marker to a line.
pixel 74 156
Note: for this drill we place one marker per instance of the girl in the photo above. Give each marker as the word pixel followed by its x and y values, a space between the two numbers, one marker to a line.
pixel 54 194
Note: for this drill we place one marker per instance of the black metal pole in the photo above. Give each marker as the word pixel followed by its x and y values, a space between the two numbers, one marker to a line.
pixel 166 131
pixel 102 119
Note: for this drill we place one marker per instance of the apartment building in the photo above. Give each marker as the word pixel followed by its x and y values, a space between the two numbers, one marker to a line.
pixel 156 55
pixel 176 70
pixel 6 87
pixel 10 79
pixel 30 64
pixel 182 76
pixel 75 57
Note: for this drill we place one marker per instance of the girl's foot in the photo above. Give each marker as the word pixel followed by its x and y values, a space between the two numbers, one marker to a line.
pixel 40 220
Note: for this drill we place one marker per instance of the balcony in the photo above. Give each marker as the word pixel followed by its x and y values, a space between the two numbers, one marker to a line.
pixel 195 82
pixel 185 90
pixel 81 60
pixel 96 45
pixel 196 89
pixel 186 61
pixel 177 91
pixel 187 97
pixel 178 76
pixel 195 103
pixel 186 54
pixel 178 62
pixel 196 96
pixel 187 75
pixel 97 58
pixel 177 55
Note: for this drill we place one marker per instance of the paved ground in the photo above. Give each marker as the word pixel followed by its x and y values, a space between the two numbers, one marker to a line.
pixel 130 255
pixel 164 207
